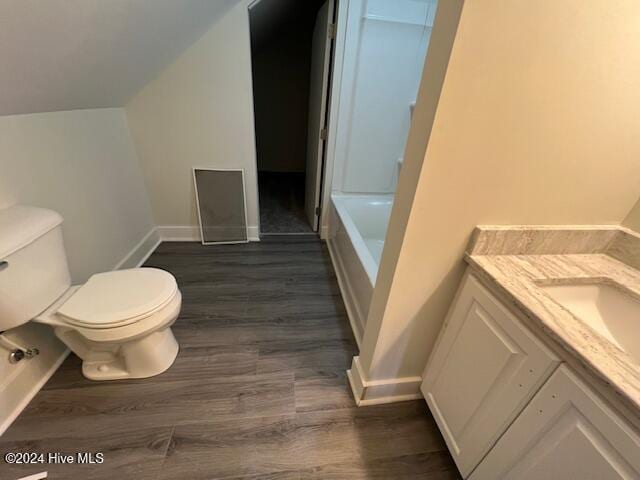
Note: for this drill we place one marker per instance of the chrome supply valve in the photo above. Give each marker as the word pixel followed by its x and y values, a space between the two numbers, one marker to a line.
pixel 16 356
pixel 17 352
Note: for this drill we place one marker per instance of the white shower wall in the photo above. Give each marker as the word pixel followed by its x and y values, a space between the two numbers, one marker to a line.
pixel 385 48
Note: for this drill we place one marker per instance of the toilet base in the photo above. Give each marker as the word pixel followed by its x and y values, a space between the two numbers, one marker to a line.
pixel 144 357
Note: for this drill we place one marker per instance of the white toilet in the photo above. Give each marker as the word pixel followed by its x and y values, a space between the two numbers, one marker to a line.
pixel 118 322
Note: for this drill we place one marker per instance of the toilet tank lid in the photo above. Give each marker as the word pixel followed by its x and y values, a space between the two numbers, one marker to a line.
pixel 21 225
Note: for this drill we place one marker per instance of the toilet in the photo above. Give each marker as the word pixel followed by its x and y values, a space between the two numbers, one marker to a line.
pixel 118 323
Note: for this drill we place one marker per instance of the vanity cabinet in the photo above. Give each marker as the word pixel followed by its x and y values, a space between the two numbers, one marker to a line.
pixel 485 368
pixel 566 431
pixel 509 408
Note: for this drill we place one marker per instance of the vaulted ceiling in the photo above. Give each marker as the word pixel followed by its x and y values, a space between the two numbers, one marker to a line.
pixel 73 54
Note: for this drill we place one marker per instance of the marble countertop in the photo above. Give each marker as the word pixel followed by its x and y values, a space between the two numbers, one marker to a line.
pixel 519 278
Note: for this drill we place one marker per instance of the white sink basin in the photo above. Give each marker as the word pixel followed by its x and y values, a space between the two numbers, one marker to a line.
pixel 610 311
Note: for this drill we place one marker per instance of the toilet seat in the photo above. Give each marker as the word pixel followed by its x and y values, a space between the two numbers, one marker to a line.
pixel 116 299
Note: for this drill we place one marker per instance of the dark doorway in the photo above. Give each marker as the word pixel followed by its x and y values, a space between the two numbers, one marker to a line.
pixel 281 44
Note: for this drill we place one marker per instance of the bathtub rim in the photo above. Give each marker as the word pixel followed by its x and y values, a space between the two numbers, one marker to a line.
pixel 364 254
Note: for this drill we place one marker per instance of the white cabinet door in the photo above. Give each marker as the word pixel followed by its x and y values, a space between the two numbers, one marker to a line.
pixel 484 369
pixel 566 432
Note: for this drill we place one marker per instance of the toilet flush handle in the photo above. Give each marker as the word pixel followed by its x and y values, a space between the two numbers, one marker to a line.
pixel 3 264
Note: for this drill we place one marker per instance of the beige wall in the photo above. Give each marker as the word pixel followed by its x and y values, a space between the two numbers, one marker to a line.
pixel 198 113
pixel 632 220
pixel 82 164
pixel 537 124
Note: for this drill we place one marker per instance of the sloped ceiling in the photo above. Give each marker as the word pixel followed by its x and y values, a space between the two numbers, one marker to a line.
pixel 74 54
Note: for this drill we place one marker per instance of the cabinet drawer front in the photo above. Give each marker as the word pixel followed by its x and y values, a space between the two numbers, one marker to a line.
pixel 566 431
pixel 486 366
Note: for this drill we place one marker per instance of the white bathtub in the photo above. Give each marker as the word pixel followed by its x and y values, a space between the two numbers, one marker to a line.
pixel 358 226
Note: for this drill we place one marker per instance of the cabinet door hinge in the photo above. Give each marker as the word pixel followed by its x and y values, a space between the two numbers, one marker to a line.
pixel 318 211
pixel 323 134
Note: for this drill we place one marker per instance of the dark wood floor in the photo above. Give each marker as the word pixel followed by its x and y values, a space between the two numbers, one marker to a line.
pixel 258 390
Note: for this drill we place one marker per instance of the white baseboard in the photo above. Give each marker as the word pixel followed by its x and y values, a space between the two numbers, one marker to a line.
pixel 25 379
pixel 350 304
pixel 376 392
pixel 141 252
pixel 171 233
pixel 190 233
pixel 253 233
pixel 179 233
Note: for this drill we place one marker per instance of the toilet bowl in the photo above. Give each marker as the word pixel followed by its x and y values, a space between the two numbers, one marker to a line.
pixel 118 323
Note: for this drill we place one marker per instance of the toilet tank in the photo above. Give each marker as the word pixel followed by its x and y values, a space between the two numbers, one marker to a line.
pixel 33 263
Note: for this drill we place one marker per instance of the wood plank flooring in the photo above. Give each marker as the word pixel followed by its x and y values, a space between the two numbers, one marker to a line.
pixel 258 390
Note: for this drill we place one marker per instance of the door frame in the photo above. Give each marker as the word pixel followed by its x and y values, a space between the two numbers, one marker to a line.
pixel 250 5
pixel 340 21
pixel 321 146
pixel 335 70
